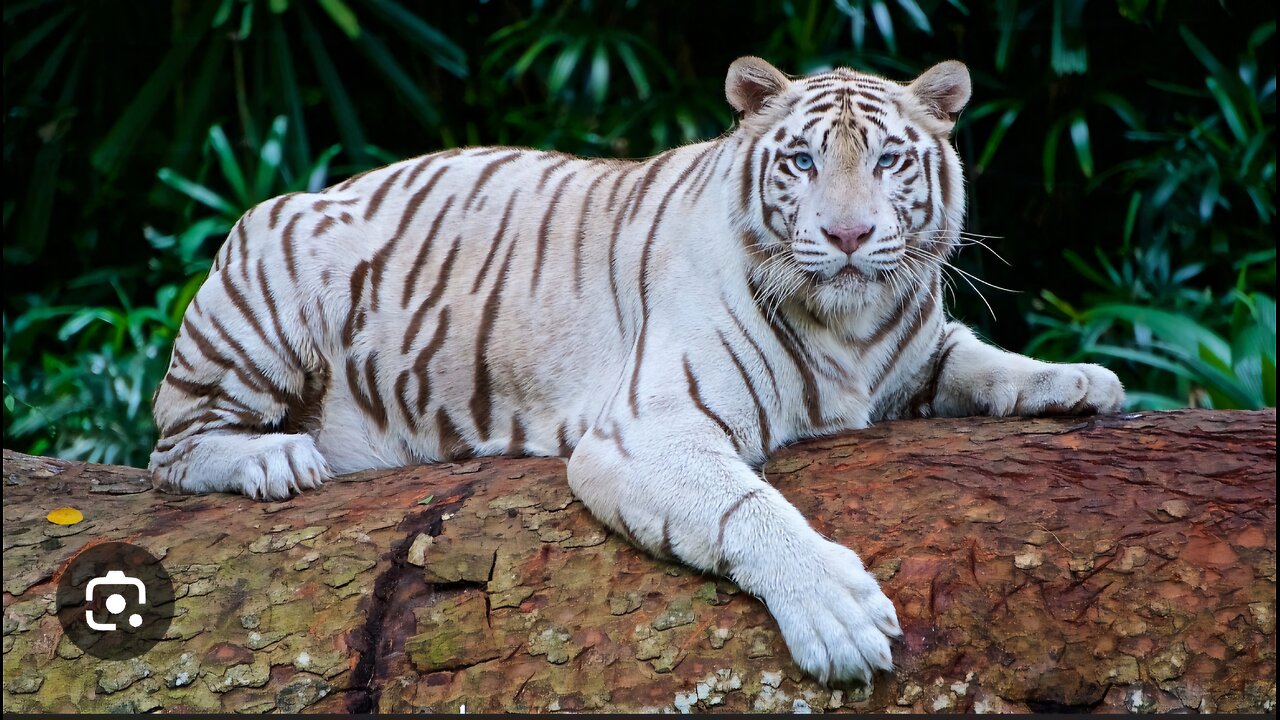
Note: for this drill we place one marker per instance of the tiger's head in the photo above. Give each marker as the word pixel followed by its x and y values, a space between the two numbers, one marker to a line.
pixel 849 187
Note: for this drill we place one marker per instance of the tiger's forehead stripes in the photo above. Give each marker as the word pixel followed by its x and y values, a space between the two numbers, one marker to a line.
pixel 870 108
pixel 823 96
pixel 842 109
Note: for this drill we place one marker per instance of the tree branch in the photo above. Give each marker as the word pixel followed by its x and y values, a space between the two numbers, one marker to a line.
pixel 1120 563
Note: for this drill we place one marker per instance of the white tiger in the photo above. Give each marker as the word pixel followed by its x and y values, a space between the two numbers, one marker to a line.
pixel 664 323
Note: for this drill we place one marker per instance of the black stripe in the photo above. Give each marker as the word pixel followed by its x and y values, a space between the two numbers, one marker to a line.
pixel 762 417
pixel 695 394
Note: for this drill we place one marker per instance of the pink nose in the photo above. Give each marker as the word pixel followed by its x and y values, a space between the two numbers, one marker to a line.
pixel 848 238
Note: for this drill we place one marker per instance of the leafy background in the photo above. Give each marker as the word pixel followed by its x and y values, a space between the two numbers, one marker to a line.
pixel 1120 154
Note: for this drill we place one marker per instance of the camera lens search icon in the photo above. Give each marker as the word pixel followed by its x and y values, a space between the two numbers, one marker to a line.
pixel 115 600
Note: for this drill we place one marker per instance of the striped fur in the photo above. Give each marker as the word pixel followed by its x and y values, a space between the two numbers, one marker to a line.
pixel 665 323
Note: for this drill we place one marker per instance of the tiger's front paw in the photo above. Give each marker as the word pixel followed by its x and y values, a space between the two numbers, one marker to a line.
pixel 1049 389
pixel 835 620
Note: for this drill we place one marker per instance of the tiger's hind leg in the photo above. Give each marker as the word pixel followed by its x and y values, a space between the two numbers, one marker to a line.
pixel 224 439
pixel 264 467
pixel 244 386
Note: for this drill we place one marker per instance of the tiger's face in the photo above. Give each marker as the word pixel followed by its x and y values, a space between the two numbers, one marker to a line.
pixel 856 189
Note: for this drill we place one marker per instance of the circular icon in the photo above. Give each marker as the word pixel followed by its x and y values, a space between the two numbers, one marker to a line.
pixel 115 601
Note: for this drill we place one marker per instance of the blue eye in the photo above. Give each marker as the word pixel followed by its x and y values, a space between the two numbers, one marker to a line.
pixel 888 160
pixel 803 161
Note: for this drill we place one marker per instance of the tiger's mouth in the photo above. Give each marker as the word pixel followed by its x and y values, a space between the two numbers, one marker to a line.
pixel 851 273
pixel 849 277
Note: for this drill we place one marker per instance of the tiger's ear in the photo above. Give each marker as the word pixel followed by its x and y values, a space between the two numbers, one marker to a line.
pixel 752 81
pixel 944 90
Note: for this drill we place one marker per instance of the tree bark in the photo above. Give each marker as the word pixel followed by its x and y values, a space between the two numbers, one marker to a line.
pixel 1115 563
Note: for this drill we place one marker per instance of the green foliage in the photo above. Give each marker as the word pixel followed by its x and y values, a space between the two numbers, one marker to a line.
pixel 1177 360
pixel 1201 202
pixel 1123 150
pixel 63 68
pixel 91 402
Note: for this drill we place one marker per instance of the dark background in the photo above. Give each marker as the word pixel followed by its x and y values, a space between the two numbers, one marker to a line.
pixel 1121 153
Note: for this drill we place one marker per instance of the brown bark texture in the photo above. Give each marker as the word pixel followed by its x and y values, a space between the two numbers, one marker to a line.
pixel 1113 563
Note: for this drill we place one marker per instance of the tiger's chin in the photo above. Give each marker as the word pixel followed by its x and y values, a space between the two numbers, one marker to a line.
pixel 848 290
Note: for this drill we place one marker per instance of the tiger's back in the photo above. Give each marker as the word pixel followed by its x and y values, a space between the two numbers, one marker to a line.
pixel 466 302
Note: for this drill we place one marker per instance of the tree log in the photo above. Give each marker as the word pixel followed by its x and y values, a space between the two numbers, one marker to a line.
pixel 1113 563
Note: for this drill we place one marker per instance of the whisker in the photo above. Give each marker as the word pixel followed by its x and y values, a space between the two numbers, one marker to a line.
pixel 963 239
pixel 980 295
pixel 919 256
pixel 987 248
pixel 774 283
pixel 947 231
pixel 984 282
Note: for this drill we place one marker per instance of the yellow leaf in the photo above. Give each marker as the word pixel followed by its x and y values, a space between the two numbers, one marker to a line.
pixel 65 516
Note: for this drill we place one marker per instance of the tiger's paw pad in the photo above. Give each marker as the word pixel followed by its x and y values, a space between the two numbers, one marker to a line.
pixel 837 623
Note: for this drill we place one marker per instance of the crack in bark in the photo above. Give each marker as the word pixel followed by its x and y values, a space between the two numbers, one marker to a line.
pixel 1057 707
pixel 367 639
